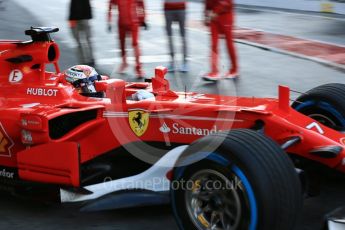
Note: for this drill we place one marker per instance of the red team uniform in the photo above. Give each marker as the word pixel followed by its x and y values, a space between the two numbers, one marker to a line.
pixel 220 18
pixel 131 17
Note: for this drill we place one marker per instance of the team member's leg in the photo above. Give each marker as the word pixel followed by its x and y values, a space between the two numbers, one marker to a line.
pixel 169 17
pixel 181 14
pixel 214 47
pixel 228 32
pixel 122 38
pixel 136 47
pixel 214 74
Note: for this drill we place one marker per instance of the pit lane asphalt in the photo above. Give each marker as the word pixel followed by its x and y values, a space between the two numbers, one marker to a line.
pixel 261 73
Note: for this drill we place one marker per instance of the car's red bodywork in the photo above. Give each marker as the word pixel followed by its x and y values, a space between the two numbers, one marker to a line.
pixel 35 103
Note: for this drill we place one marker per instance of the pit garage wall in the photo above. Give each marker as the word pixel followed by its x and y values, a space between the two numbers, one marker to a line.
pixel 305 5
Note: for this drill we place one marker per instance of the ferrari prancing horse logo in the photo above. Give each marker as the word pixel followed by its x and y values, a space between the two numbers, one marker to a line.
pixel 138 121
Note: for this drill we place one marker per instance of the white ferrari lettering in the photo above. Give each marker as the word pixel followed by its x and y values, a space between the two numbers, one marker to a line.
pixel 42 92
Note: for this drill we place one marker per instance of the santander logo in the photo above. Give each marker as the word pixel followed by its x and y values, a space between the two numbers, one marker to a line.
pixel 164 128
pixel 178 129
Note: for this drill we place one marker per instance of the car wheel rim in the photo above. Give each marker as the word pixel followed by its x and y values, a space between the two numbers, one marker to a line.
pixel 215 201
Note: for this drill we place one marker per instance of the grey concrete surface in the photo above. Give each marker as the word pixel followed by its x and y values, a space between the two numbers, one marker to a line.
pixel 261 73
pixel 321 27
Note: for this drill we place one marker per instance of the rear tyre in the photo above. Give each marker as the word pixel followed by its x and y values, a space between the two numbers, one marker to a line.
pixel 247 182
pixel 325 104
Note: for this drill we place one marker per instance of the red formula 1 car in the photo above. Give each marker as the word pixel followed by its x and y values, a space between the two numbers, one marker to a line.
pixel 220 160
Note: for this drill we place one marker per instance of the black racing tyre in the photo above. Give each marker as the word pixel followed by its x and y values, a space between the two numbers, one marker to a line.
pixel 246 182
pixel 325 104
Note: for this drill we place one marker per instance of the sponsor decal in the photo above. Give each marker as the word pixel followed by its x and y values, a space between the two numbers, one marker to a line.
pixel 178 129
pixel 42 92
pixel 30 122
pixel 138 121
pixel 6 174
pixel 164 128
pixel 5 143
pixel 15 76
pixel 74 75
pixel 26 137
pixel 316 126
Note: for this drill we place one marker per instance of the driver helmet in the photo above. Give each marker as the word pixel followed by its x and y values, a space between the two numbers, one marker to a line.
pixel 83 78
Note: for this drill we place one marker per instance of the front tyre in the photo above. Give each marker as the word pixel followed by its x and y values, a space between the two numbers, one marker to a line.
pixel 247 182
pixel 325 104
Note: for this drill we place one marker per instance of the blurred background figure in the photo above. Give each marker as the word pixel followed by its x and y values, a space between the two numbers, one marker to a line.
pixel 175 11
pixel 2 7
pixel 131 17
pixel 79 16
pixel 219 16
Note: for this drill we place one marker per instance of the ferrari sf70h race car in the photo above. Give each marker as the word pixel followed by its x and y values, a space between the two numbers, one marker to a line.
pixel 223 162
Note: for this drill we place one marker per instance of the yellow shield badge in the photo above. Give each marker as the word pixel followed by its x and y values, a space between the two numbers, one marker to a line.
pixel 138 121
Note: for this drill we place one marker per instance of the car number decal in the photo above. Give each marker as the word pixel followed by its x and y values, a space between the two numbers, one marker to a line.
pixel 317 126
